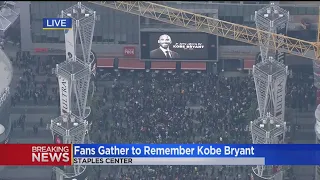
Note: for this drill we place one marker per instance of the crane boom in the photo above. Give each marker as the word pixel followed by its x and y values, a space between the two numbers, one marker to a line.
pixel 214 26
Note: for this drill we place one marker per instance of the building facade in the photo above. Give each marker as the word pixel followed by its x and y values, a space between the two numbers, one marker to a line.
pixel 117 34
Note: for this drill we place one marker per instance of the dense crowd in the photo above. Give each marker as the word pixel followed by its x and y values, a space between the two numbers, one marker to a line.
pixel 35 85
pixel 301 92
pixel 162 107
pixel 30 87
pixel 169 107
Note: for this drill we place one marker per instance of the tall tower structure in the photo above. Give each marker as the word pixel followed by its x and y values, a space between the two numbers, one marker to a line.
pixel 72 129
pixel 272 19
pixel 74 76
pixel 270 78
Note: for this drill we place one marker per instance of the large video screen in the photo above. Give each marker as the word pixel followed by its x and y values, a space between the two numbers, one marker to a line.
pixel 178 46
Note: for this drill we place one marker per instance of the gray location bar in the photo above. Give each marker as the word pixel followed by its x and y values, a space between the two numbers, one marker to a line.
pixel 171 161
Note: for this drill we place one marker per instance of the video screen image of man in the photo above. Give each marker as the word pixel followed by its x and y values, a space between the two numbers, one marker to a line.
pixel 164 52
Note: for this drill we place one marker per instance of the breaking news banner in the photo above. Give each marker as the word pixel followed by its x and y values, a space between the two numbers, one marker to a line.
pixel 36 154
pixel 159 154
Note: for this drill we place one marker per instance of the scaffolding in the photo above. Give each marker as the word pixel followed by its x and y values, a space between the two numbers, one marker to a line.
pixel 270 80
pixel 270 76
pixel 74 77
pixel 76 70
pixel 268 130
pixel 73 130
pixel 272 19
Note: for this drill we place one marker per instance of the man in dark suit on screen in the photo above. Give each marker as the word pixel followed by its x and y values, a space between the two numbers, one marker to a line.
pixel 164 52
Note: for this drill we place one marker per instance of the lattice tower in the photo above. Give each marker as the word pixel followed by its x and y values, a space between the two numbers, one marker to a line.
pixel 77 70
pixel 273 19
pixel 74 78
pixel 270 81
pixel 268 130
pixel 73 130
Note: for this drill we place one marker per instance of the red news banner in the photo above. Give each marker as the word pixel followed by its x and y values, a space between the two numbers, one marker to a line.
pixel 36 154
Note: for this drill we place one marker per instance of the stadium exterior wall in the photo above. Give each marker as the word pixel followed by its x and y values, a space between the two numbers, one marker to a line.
pixel 105 50
pixel 102 50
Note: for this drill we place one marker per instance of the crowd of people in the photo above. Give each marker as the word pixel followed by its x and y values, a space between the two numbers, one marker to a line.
pixel 29 86
pixel 30 89
pixel 162 107
pixel 301 92
pixel 169 107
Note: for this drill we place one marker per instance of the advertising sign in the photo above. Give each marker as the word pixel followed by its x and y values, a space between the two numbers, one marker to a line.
pixel 49 50
pixel 64 90
pixel 70 44
pixel 129 51
pixel 178 46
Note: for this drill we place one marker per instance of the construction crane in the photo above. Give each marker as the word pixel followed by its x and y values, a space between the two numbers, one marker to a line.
pixel 197 22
